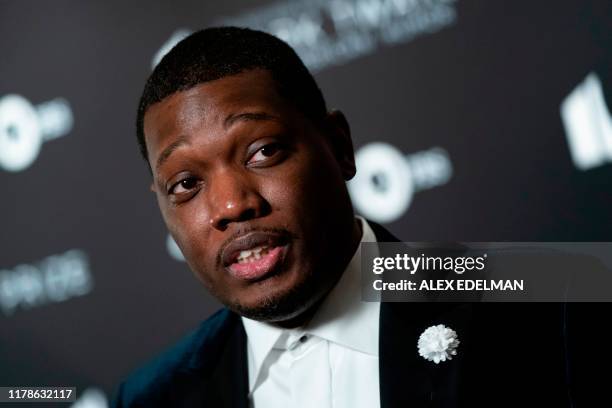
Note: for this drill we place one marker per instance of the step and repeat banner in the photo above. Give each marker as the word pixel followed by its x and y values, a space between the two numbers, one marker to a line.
pixel 472 121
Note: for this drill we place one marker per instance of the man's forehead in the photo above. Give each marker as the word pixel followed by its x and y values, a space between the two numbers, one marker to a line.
pixel 212 102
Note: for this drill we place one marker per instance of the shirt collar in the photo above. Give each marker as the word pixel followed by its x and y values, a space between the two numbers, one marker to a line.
pixel 342 318
pixel 261 338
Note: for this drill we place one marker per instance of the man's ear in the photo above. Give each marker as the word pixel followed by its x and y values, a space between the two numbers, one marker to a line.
pixel 339 135
pixel 152 187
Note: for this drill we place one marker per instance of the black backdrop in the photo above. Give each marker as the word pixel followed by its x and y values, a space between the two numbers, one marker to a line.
pixel 488 120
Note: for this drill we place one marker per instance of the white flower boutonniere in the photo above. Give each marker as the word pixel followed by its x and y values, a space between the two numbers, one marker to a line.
pixel 438 343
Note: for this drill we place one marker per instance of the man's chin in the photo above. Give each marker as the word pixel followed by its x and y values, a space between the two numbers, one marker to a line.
pixel 278 307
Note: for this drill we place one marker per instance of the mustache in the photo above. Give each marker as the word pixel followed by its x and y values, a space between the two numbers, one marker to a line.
pixel 283 233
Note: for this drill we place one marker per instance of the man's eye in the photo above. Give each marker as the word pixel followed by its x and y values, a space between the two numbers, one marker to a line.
pixel 184 186
pixel 265 153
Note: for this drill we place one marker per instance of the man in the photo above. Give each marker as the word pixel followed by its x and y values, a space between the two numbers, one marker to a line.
pixel 249 170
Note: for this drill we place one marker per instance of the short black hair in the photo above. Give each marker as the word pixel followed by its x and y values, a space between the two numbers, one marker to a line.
pixel 217 52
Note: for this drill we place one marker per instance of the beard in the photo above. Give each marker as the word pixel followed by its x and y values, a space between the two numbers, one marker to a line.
pixel 285 306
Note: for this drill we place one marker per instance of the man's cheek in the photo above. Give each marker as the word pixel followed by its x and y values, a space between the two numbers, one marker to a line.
pixel 190 233
pixel 279 189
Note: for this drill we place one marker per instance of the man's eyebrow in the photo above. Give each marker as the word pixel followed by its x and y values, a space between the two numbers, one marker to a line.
pixel 229 121
pixel 163 156
pixel 249 116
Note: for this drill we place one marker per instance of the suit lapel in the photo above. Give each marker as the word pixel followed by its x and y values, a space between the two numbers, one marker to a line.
pixel 382 235
pixel 406 378
pixel 229 379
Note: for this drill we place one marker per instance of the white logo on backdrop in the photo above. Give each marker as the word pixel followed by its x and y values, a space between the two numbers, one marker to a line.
pixel 91 398
pixel 588 124
pixel 386 179
pixel 173 249
pixel 174 39
pixel 56 278
pixel 24 127
pixel 326 33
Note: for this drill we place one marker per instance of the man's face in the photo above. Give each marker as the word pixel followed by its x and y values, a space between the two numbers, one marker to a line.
pixel 253 192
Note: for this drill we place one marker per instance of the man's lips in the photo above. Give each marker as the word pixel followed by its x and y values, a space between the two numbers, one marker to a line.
pixel 257 268
pixel 254 255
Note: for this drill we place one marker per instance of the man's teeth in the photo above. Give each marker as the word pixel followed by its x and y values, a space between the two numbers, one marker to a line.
pixel 252 254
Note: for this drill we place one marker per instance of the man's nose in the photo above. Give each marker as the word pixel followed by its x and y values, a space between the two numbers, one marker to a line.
pixel 233 198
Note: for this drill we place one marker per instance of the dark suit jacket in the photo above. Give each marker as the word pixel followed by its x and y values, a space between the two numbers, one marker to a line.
pixel 511 354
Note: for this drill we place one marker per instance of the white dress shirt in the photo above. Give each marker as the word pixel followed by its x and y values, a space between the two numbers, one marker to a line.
pixel 332 361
